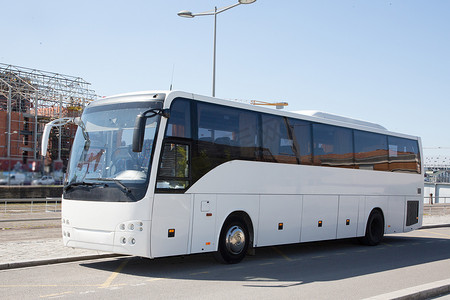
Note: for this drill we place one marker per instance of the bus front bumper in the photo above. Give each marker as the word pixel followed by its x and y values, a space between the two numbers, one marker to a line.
pixel 129 237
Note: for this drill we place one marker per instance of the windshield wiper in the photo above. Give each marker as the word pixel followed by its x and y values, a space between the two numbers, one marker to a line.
pixel 82 183
pixel 118 182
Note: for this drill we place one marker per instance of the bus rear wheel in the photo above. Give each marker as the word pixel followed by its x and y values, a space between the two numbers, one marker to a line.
pixel 374 230
pixel 233 241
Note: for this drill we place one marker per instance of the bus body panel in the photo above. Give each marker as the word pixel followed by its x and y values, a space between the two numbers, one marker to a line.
pixel 171 224
pixel 279 219
pixel 395 214
pixel 285 179
pixel 319 220
pixel 334 194
pixel 348 221
pixel 204 223
pixel 116 227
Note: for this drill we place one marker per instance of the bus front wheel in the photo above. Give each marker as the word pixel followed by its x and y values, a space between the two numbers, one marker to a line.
pixel 233 241
pixel 374 229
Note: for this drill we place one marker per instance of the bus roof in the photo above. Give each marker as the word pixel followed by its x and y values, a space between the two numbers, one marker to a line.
pixel 328 116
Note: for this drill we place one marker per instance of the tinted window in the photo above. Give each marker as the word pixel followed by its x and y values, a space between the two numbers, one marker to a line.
pixel 174 167
pixel 277 143
pixel 223 134
pixel 201 136
pixel 179 121
pixel 333 146
pixel 301 135
pixel 371 151
pixel 403 155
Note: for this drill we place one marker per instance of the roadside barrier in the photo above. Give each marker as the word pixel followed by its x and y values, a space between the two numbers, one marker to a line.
pixel 47 205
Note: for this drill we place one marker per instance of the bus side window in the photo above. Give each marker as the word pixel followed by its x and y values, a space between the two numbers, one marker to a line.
pixel 333 146
pixel 179 121
pixel 174 172
pixel 301 135
pixel 370 151
pixel 277 143
pixel 404 155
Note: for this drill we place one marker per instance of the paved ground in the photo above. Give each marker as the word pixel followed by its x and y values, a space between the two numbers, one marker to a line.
pixel 27 243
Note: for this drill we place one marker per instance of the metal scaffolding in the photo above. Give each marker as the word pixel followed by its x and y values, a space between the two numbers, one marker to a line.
pixel 29 98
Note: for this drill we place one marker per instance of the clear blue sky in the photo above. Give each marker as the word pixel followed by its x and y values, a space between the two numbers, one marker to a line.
pixel 386 62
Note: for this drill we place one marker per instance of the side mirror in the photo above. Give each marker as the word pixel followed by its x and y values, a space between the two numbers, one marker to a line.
pixel 139 126
pixel 77 121
pixel 138 134
pixel 54 123
pixel 45 137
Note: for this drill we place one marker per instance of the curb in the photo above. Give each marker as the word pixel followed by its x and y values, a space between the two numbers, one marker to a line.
pixel 424 291
pixel 51 261
pixel 434 226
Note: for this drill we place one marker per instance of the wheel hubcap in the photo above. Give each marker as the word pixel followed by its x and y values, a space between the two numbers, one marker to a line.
pixel 235 240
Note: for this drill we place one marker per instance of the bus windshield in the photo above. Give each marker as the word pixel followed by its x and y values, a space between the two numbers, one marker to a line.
pixel 102 161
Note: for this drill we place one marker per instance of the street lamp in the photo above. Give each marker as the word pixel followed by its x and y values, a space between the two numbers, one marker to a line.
pixel 215 12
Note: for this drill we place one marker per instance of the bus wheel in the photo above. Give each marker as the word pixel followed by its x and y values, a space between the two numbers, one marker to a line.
pixel 233 242
pixel 374 229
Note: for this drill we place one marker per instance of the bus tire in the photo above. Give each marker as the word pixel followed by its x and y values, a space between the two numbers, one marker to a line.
pixel 374 229
pixel 233 241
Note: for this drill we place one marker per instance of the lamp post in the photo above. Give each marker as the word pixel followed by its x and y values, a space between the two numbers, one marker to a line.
pixel 215 12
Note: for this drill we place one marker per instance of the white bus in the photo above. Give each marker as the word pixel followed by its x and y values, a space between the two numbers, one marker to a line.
pixel 158 174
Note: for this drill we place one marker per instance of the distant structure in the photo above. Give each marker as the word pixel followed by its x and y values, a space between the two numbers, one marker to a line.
pixel 30 98
pixel 437 168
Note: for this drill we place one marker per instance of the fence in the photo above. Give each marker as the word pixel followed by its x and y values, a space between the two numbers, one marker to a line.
pixel 431 199
pixel 47 205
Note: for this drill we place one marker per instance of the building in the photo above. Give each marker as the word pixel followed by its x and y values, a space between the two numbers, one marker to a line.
pixel 30 98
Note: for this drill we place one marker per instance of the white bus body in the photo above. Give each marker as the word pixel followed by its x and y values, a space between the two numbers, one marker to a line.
pixel 181 201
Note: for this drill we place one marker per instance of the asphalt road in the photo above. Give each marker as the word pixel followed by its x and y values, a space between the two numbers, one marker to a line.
pixel 324 270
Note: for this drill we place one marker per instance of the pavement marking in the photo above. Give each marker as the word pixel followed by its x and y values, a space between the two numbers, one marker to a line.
pixel 389 245
pixel 154 279
pixel 282 254
pixel 113 276
pixel 137 284
pixel 437 233
pixel 199 273
pixel 86 292
pixel 234 268
pixel 318 256
pixel 267 263
pixel 56 295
